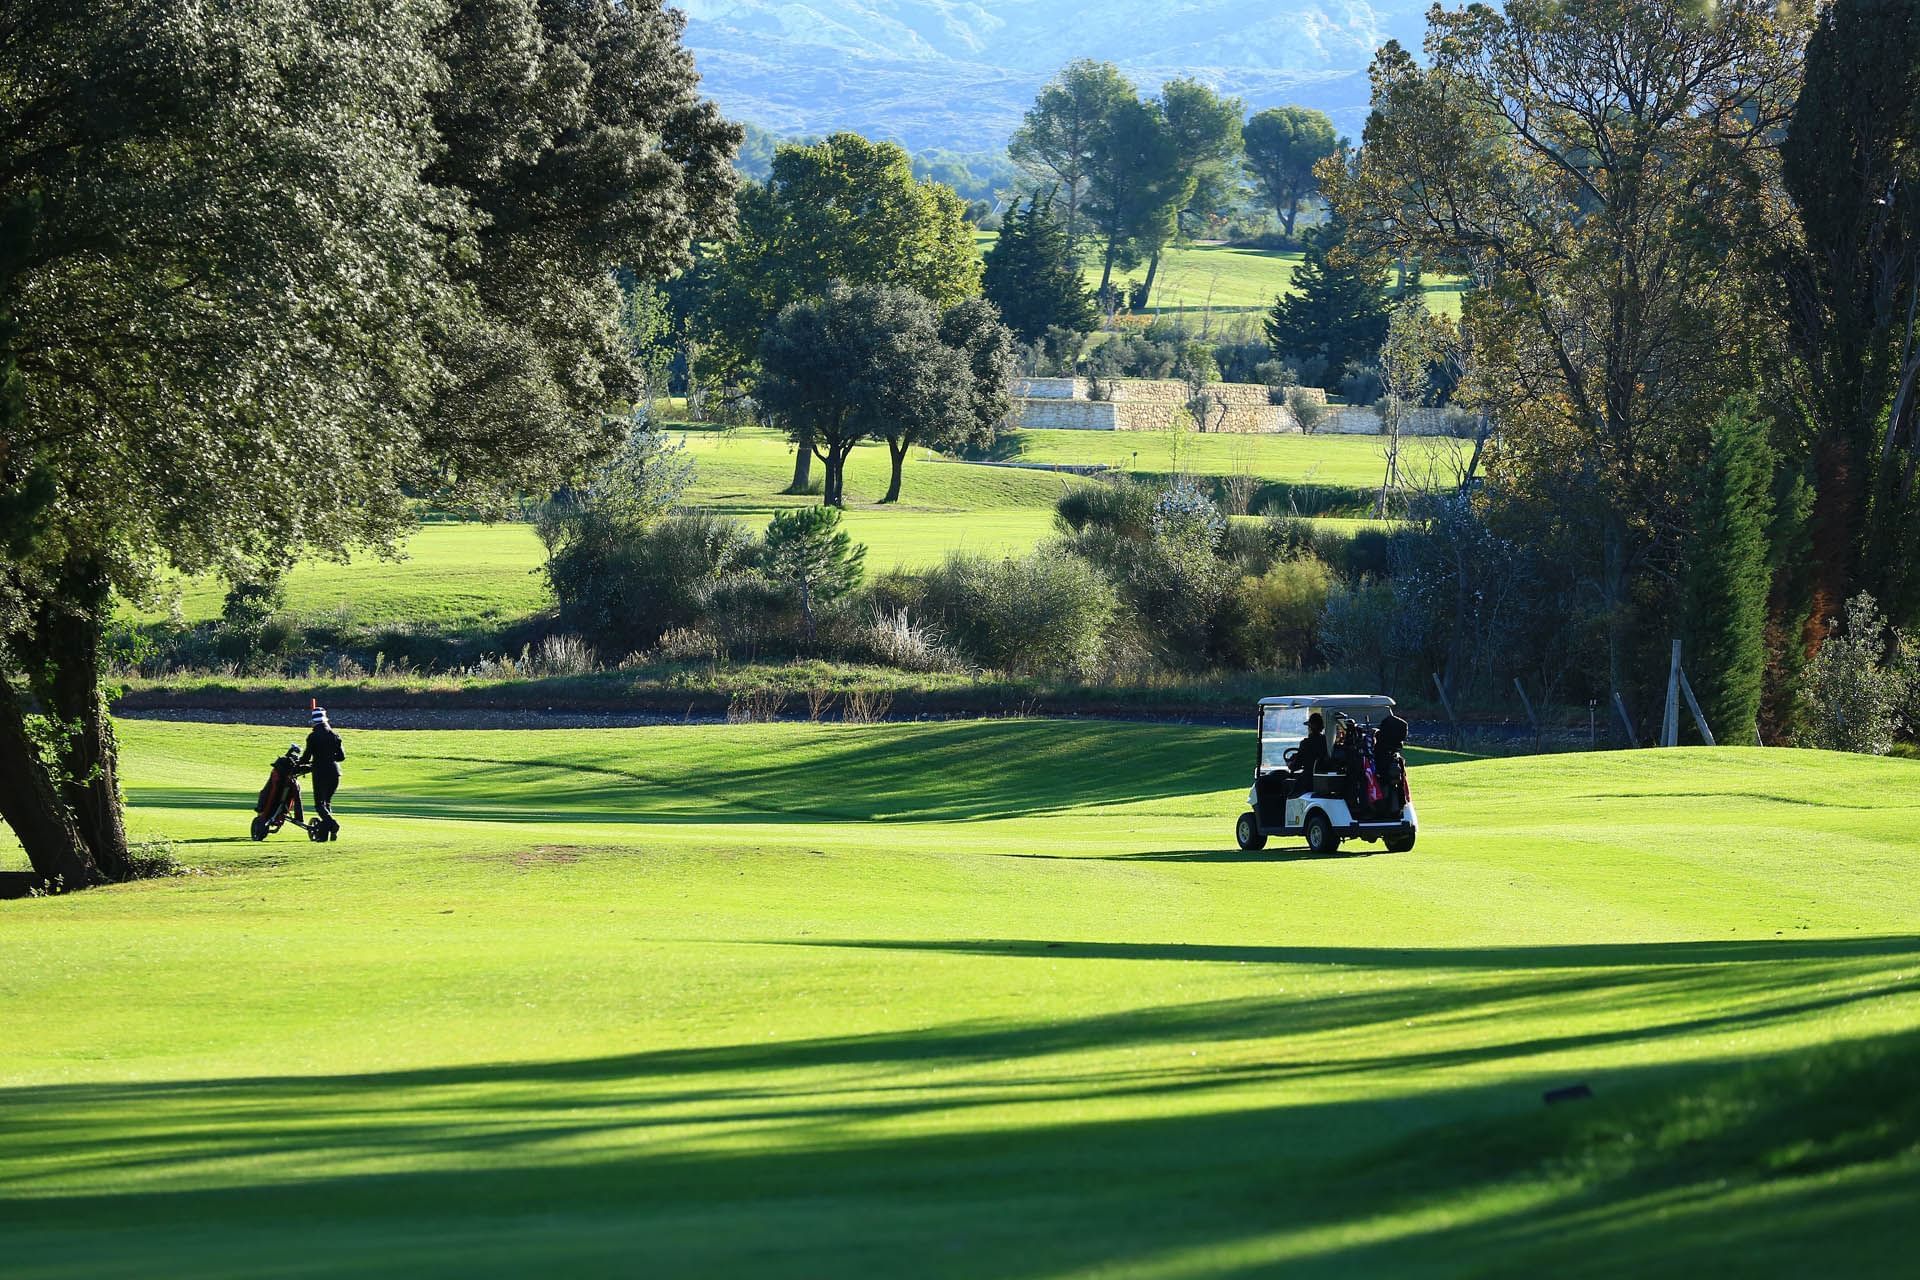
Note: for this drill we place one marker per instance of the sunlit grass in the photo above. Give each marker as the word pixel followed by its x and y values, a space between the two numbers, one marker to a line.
pixel 972 999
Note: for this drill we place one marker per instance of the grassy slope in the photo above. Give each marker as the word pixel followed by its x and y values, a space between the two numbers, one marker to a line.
pixel 1292 459
pixel 981 1000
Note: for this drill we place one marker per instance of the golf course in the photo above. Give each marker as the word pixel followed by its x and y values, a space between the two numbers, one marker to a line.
pixel 968 999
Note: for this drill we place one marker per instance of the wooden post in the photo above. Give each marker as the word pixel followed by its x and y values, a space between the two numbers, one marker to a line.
pixel 1626 721
pixel 1526 702
pixel 1448 704
pixel 1670 719
pixel 1693 705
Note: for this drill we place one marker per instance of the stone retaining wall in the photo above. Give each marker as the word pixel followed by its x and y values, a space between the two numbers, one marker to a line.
pixel 1151 404
pixel 1046 414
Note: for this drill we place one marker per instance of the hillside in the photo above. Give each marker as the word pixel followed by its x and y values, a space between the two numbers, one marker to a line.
pixel 934 73
pixel 990 999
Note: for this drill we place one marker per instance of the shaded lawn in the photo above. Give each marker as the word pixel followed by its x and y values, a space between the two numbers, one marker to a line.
pixel 792 999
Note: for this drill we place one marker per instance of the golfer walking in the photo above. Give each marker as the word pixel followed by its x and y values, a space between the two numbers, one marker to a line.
pixel 323 756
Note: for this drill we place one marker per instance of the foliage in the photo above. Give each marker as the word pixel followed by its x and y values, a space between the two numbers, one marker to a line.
pixel 1728 574
pixel 1205 129
pixel 1280 613
pixel 622 498
pixel 1033 275
pixel 845 209
pixel 1603 203
pixel 1055 143
pixel 1135 185
pixel 1044 612
pixel 1125 507
pixel 1283 144
pixel 623 590
pixel 875 360
pixel 1851 281
pixel 806 549
pixel 1416 340
pixel 1859 686
pixel 1338 309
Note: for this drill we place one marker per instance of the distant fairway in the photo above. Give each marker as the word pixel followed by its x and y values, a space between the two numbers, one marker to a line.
pixel 990 999
pixel 1198 279
pixel 472 576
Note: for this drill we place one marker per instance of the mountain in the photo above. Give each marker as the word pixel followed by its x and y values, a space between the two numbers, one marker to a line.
pixel 959 73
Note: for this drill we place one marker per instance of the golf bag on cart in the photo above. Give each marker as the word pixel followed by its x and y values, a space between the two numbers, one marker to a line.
pixel 1368 791
pixel 280 798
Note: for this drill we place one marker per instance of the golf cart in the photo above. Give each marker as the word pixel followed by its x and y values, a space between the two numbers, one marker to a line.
pixel 1359 797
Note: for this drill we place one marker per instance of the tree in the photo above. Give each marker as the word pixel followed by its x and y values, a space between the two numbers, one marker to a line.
pixel 1852 280
pixel 1205 129
pixel 1601 199
pixel 1857 686
pixel 1416 340
pixel 1338 307
pixel 844 209
pixel 1134 184
pixel 1033 275
pixel 808 550
pixel 880 362
pixel 1283 145
pixel 969 414
pixel 1725 611
pixel 1054 144
pixel 239 250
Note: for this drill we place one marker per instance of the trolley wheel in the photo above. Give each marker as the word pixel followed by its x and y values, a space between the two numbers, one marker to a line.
pixel 260 828
pixel 1248 834
pixel 1320 837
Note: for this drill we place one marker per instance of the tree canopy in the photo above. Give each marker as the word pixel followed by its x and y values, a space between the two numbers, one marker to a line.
pixel 1055 143
pixel 271 269
pixel 1033 275
pixel 1338 306
pixel 1283 144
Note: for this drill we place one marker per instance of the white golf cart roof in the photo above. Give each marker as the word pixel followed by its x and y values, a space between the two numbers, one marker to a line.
pixel 1330 701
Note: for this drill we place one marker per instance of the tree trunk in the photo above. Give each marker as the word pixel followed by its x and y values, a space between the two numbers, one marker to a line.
pixel 834 491
pixel 1288 214
pixel 898 452
pixel 67 683
pixel 1836 505
pixel 33 808
pixel 1106 269
pixel 802 465
pixel 1153 269
pixel 1613 598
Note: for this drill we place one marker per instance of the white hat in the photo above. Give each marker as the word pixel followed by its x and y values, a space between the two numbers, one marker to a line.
pixel 318 716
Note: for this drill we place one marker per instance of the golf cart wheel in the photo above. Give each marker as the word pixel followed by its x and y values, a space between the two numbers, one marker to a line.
pixel 1247 832
pixel 1320 837
pixel 259 828
pixel 1400 844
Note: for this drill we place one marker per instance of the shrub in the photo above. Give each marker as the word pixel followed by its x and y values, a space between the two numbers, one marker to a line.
pixel 1360 384
pixel 1356 626
pixel 687 644
pixel 1047 611
pixel 1122 506
pixel 1281 611
pixel 623 591
pixel 894 638
pixel 562 655
pixel 1856 688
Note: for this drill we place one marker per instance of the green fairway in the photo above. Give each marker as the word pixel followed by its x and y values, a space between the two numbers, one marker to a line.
pixel 1197 279
pixel 474 576
pixel 988 999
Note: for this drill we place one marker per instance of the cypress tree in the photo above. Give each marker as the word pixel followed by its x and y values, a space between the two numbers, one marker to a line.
pixel 1032 274
pixel 1729 574
pixel 1338 307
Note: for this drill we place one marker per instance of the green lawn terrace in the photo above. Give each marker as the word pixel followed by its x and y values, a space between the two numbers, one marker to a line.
pixel 467 576
pixel 987 999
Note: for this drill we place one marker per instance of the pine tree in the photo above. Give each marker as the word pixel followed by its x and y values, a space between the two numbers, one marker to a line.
pixel 1338 307
pixel 1728 574
pixel 1033 277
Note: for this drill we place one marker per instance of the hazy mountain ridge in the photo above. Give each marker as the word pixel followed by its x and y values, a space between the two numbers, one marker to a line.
pixel 937 73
